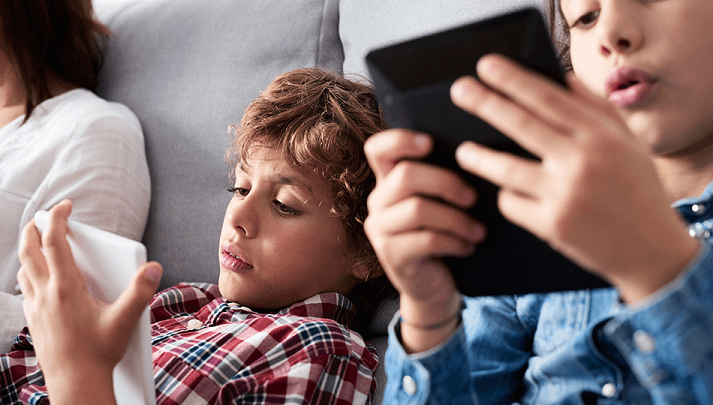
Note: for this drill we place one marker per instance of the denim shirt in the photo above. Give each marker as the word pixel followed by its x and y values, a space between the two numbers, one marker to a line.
pixel 574 347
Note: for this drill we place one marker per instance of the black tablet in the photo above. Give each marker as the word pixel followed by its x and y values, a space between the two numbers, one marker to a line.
pixel 412 81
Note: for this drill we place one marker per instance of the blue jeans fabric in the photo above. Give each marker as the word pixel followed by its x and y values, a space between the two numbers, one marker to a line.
pixel 574 347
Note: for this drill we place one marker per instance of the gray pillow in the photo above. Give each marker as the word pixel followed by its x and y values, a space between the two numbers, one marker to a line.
pixel 188 69
pixel 368 24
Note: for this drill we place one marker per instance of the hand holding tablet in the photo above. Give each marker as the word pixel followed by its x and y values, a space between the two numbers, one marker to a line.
pixel 412 80
pixel 108 262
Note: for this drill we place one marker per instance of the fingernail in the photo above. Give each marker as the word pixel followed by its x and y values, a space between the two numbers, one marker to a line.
pixel 153 273
pixel 487 67
pixel 459 88
pixel 466 153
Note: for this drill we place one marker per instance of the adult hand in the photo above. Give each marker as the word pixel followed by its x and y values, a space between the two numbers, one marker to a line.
pixel 78 339
pixel 416 217
pixel 595 196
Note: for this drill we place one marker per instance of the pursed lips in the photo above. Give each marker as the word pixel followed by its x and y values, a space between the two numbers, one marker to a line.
pixel 628 86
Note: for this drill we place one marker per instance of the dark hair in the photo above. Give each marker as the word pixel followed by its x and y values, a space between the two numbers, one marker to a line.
pixel 57 37
pixel 320 121
pixel 559 32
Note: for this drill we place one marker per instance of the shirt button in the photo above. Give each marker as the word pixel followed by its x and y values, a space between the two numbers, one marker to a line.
pixel 409 385
pixel 699 209
pixel 194 324
pixel 644 341
pixel 609 390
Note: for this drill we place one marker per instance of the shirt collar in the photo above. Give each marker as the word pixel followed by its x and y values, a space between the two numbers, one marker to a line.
pixel 330 305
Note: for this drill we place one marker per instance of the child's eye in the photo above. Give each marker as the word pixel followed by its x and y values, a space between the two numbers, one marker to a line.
pixel 238 191
pixel 586 20
pixel 284 210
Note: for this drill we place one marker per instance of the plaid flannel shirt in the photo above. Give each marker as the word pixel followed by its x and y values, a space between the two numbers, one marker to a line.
pixel 207 350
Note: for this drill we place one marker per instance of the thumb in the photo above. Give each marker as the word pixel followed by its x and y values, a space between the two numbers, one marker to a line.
pixel 125 312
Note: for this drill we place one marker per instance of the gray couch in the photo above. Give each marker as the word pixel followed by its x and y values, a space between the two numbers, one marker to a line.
pixel 188 68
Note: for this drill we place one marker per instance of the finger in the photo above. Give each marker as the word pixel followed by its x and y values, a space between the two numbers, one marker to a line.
pixel 413 178
pixel 125 312
pixel 501 168
pixel 25 285
pixel 516 122
pixel 60 261
pixel 524 212
pixel 423 214
pixel 549 101
pixel 610 122
pixel 30 254
pixel 385 149
pixel 415 247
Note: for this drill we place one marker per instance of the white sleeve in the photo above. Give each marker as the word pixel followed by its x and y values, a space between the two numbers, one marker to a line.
pixel 103 170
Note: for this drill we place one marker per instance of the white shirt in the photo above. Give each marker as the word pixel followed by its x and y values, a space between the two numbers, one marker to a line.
pixel 75 146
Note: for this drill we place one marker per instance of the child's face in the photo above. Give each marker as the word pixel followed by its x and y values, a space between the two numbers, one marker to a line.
pixel 665 49
pixel 279 244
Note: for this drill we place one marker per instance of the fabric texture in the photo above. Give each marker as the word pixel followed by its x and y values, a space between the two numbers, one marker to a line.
pixel 576 347
pixel 74 146
pixel 207 350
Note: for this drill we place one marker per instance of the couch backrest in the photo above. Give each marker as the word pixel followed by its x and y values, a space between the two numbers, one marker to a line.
pixel 368 24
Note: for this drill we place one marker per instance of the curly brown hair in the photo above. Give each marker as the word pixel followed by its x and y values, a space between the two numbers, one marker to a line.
pixel 60 37
pixel 319 121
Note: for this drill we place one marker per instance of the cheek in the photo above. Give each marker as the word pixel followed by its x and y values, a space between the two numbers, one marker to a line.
pixel 587 68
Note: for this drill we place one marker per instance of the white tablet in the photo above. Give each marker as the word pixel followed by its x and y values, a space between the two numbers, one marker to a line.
pixel 108 262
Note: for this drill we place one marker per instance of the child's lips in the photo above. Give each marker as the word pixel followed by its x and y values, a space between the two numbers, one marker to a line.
pixel 628 86
pixel 232 259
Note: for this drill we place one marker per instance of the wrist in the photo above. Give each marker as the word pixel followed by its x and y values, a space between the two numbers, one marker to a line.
pixel 425 325
pixel 90 386
pixel 636 286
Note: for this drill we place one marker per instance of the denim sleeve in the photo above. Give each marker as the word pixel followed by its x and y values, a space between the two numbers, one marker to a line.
pixel 668 343
pixel 483 360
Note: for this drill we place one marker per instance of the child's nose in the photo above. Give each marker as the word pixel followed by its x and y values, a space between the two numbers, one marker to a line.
pixel 243 216
pixel 618 30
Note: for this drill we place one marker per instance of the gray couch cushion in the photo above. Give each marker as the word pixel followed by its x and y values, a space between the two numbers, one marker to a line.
pixel 369 24
pixel 188 69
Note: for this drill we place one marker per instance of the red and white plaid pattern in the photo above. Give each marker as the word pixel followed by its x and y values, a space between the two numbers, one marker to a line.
pixel 207 350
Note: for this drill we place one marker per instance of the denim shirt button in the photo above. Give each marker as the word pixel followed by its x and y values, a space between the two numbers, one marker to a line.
pixel 609 390
pixel 644 341
pixel 409 385
pixel 698 209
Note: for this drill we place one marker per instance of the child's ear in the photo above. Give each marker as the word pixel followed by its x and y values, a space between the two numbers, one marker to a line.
pixel 361 272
